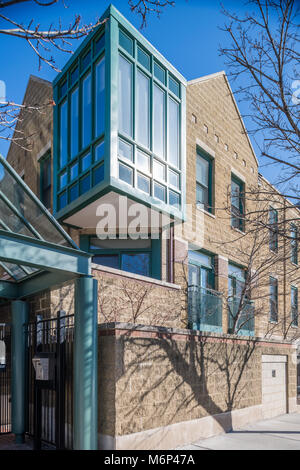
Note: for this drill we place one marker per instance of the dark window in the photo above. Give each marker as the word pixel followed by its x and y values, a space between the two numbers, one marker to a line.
pixel 294 305
pixel 45 175
pixel 204 181
pixel 237 203
pixel 294 244
pixel 273 299
pixel 273 229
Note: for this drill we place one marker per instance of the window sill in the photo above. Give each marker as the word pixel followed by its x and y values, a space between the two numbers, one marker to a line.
pixel 273 322
pixel 238 230
pixel 205 212
pixel 295 264
pixel 295 327
pixel 138 277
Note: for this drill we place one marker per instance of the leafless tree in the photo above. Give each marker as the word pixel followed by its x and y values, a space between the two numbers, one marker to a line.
pixel 263 56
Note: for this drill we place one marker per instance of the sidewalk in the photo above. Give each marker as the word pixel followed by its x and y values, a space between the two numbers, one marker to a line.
pixel 280 433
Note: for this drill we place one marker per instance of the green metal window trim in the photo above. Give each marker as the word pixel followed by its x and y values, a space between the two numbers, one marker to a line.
pixel 238 217
pixel 43 160
pixel 294 244
pixel 202 154
pixel 111 181
pixel 154 251
pixel 273 283
pixel 294 307
pixel 273 231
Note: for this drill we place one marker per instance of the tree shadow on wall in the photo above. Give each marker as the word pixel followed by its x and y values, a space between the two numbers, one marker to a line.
pixel 172 380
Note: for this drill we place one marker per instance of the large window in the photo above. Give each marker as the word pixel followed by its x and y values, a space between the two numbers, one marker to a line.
pixel 201 270
pixel 273 299
pixel 236 282
pixel 45 180
pixel 149 110
pixel 294 244
pixel 294 305
pixel 81 124
pixel 128 255
pixel 237 203
pixel 204 181
pixel 273 229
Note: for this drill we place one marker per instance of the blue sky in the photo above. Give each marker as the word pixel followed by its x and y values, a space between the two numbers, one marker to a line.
pixel 188 35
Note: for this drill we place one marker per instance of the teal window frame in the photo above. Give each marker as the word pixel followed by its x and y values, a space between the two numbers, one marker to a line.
pixel 46 159
pixel 273 229
pixel 132 139
pixel 202 266
pixel 273 316
pixel 238 213
pixel 294 244
pixel 294 306
pixel 209 206
pixel 70 84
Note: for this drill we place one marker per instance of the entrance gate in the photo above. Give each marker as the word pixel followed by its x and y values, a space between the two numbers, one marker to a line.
pixel 5 378
pixel 50 402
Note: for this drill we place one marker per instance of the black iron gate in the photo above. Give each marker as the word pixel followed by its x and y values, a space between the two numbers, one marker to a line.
pixel 50 403
pixel 5 378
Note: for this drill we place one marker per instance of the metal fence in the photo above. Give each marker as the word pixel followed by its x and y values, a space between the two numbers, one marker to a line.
pixel 205 309
pixel 5 378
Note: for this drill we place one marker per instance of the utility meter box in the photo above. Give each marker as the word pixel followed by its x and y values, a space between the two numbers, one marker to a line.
pixel 44 365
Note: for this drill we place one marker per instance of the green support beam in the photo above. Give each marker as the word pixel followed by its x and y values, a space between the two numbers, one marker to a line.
pixel 20 312
pixel 85 365
pixel 8 290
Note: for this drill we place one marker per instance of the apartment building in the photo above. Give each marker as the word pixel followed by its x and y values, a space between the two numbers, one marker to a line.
pixel 195 253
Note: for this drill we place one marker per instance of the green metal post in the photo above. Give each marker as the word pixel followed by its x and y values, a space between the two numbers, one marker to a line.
pixel 85 365
pixel 18 384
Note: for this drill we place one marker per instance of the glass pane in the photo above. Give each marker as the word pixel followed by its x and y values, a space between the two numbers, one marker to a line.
pixel 159 170
pixel 74 192
pixel 62 200
pixel 201 258
pixel 86 111
pixel 138 263
pixel 100 97
pixel 193 275
pixel 174 86
pixel 202 195
pixel 63 133
pixel 125 173
pixel 125 150
pixel 174 199
pixel 86 60
pixel 99 44
pixel 174 179
pixel 159 73
pixel 143 58
pixel 158 121
pixel 63 180
pixel 111 261
pixel 173 133
pixel 125 96
pixel 143 161
pixel 143 183
pixel 85 184
pixel 235 195
pixel 74 75
pixel 74 123
pixel 205 278
pixel 86 161
pixel 125 42
pixel 236 271
pixel 159 192
pixel 98 174
pixel 99 152
pixel 202 171
pixel 74 171
pixel 143 112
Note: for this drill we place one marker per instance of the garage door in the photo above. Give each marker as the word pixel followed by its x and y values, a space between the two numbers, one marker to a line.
pixel 274 385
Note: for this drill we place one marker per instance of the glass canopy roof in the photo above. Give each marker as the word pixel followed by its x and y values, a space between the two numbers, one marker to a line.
pixel 22 213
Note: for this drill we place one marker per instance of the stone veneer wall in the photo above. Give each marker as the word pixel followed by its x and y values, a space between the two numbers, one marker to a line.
pixel 151 379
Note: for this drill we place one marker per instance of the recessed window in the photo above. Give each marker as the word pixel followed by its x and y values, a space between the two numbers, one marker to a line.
pixel 204 181
pixel 294 305
pixel 273 229
pixel 125 42
pixel 143 183
pixel 143 58
pixel 125 173
pixel 159 192
pixel 74 171
pixel 125 150
pixel 143 161
pixel 159 170
pixel 159 73
pixel 294 244
pixel 237 203
pixel 273 299
pixel 174 86
pixel 86 161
